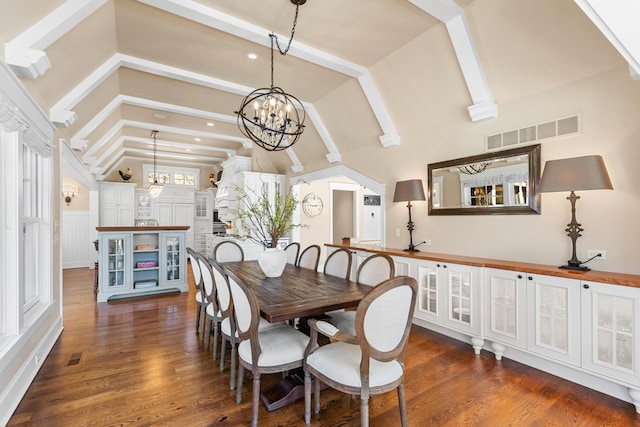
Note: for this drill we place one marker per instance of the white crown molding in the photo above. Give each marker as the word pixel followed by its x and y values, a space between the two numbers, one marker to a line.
pixel 618 21
pixel 25 53
pixel 452 15
pixel 341 170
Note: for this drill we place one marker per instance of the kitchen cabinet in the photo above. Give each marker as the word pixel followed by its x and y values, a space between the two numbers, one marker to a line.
pixel 143 204
pixel 117 204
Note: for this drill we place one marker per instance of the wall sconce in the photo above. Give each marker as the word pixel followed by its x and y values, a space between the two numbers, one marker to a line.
pixel 69 192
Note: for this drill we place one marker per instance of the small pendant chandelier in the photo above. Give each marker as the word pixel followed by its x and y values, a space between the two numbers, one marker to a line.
pixel 270 117
pixel 155 189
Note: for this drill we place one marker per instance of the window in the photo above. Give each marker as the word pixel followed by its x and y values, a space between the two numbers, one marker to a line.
pixel 187 177
pixel 31 225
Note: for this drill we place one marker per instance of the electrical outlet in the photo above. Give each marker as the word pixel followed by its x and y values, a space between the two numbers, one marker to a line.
pixel 593 252
pixel 397 232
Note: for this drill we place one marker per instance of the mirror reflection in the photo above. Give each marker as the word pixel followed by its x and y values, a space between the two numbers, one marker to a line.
pixel 495 183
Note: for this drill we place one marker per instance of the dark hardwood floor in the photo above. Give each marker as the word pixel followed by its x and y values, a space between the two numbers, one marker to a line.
pixel 139 362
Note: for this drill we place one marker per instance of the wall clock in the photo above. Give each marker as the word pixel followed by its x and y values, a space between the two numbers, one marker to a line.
pixel 312 205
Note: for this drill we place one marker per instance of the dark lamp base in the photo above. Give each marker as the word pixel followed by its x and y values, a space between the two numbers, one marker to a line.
pixel 574 267
pixel 411 250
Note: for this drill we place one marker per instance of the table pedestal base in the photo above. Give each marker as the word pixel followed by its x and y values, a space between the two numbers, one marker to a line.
pixel 288 390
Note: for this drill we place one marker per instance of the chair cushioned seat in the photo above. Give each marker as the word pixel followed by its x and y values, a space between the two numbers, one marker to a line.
pixel 345 321
pixel 280 344
pixel 199 298
pixel 348 370
pixel 225 326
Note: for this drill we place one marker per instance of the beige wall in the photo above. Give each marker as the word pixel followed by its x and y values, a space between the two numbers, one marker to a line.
pixel 342 215
pixel 80 202
pixel 427 101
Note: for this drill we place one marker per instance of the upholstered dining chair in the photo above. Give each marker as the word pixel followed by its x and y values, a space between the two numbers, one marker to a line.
pixel 279 348
pixel 197 280
pixel 212 313
pixel 372 361
pixel 338 263
pixel 228 251
pixel 292 250
pixel 227 322
pixel 373 270
pixel 310 257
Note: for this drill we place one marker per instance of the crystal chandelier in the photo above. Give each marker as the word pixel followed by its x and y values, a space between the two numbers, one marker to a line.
pixel 270 117
pixel 155 189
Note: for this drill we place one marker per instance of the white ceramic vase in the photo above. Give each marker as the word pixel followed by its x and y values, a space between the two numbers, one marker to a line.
pixel 272 261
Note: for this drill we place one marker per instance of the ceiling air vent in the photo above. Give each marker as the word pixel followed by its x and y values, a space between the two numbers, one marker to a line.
pixel 535 133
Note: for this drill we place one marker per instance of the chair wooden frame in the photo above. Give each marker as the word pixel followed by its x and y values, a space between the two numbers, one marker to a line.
pixel 293 246
pixel 197 278
pixel 209 299
pixel 225 305
pixel 367 353
pixel 221 245
pixel 252 334
pixel 308 250
pixel 334 255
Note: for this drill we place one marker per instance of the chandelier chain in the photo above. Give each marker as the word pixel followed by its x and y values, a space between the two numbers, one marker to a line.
pixel 293 31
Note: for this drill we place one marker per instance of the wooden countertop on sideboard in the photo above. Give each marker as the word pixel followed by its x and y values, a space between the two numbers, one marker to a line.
pixel 152 228
pixel 623 279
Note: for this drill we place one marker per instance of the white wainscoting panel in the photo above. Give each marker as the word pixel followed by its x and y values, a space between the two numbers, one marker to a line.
pixel 77 248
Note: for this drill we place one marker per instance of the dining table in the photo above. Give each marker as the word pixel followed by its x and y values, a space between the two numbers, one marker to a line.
pixel 299 293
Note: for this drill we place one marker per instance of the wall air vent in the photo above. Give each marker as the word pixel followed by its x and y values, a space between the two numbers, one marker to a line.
pixel 541 132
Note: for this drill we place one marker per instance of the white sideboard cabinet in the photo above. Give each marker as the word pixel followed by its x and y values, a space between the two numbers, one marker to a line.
pixel 581 326
pixel 141 260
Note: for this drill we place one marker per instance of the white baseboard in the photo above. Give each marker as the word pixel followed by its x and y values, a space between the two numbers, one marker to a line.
pixel 17 386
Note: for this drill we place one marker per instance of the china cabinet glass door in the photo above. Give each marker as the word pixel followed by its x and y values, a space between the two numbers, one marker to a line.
pixel 117 248
pixel 173 258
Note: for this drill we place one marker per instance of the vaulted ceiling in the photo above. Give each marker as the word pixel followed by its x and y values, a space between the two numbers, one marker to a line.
pixel 110 71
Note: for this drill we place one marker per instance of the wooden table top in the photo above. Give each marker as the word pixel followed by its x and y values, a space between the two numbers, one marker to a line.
pixel 299 292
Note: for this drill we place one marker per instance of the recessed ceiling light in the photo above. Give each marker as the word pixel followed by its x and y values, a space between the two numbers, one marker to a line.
pixel 197 139
pixel 252 56
pixel 210 124
pixel 159 116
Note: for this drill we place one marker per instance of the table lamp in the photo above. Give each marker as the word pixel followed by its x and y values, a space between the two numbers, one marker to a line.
pixel 408 191
pixel 574 174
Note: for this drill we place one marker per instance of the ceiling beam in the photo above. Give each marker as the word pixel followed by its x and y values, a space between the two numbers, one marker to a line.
pixel 25 53
pixel 79 143
pixel 89 156
pixel 212 18
pixel 452 15
pixel 618 21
